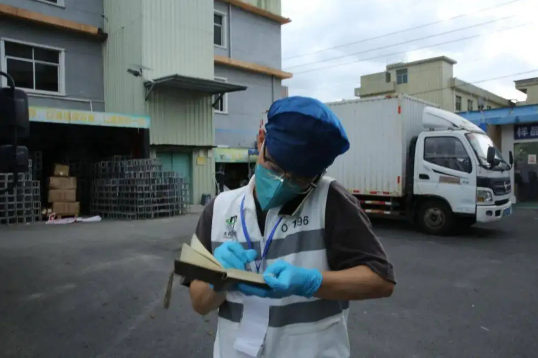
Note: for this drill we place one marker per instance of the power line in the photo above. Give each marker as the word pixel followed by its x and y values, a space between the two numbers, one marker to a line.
pixel 416 49
pixel 404 30
pixel 405 42
pixel 356 82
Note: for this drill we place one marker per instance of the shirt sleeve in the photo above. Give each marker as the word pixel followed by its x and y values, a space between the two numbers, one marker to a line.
pixel 350 240
pixel 203 231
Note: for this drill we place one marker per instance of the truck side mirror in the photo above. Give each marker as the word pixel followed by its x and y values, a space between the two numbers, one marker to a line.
pixel 511 158
pixel 491 155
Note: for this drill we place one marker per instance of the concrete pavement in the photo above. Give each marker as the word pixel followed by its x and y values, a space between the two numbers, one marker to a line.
pixel 96 290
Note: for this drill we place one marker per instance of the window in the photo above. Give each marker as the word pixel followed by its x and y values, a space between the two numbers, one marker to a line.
pixel 33 67
pixel 401 76
pixel 458 104
pixel 447 152
pixel 219 25
pixel 469 104
pixel 222 105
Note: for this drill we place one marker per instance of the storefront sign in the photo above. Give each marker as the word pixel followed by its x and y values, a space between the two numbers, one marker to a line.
pixel 233 155
pixel 526 131
pixel 65 116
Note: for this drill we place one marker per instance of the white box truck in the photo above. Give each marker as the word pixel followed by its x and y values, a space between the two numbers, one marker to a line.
pixel 412 160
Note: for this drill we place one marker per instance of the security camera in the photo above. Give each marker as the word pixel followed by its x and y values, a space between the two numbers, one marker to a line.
pixel 136 73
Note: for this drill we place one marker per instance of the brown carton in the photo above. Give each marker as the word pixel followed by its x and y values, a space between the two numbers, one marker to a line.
pixel 62 183
pixel 61 170
pixel 62 195
pixel 67 209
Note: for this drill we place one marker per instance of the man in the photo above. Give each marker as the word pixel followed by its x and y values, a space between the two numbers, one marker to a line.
pixel 304 232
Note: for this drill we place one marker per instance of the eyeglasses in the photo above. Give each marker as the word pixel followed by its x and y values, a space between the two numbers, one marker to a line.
pixel 301 182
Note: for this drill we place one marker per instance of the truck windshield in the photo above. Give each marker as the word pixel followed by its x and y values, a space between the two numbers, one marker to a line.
pixel 480 143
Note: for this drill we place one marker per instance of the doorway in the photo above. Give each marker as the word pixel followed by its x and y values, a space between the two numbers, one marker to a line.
pixel 526 172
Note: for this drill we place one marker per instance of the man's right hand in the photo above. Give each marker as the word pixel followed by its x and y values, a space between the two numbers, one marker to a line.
pixel 233 255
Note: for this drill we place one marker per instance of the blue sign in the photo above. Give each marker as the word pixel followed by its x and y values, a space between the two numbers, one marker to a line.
pixel 526 131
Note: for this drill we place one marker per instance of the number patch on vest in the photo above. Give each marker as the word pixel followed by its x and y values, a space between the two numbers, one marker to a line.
pixel 300 221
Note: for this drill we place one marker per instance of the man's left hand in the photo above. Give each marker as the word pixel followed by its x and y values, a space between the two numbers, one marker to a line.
pixel 286 280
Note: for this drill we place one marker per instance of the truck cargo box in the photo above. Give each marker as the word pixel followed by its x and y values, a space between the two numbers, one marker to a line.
pixel 380 130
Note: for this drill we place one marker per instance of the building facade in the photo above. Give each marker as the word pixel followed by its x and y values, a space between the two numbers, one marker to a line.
pixel 53 49
pixel 179 62
pixel 432 80
pixel 247 44
pixel 529 87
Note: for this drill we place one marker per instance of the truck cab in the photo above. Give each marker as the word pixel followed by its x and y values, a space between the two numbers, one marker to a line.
pixel 459 176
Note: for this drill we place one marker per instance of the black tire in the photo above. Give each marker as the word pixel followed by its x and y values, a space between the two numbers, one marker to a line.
pixel 435 218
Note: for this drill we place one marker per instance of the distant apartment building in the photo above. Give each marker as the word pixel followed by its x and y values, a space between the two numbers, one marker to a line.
pixel 528 86
pixel 432 80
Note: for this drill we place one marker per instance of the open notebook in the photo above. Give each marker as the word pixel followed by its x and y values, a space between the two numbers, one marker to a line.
pixel 197 263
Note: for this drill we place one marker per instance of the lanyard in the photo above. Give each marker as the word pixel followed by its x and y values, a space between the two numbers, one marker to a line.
pixel 247 236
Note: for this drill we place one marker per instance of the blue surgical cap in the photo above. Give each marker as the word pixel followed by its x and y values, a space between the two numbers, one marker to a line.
pixel 304 136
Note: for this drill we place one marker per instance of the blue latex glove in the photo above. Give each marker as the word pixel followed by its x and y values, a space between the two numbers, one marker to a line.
pixel 286 280
pixel 233 255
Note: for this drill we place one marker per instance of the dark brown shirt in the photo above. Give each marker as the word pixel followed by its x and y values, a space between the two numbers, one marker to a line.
pixel 349 238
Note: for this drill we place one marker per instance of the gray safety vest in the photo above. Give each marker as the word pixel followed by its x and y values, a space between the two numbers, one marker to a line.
pixel 298 326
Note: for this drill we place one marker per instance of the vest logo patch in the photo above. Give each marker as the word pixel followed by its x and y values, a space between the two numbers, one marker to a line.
pixel 230 232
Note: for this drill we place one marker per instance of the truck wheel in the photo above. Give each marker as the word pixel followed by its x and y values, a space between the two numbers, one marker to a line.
pixel 435 218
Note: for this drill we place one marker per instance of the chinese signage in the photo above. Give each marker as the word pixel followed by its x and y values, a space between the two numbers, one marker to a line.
pixel 526 131
pixel 66 116
pixel 233 155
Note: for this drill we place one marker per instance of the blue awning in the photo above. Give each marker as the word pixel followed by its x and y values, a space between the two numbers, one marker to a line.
pixel 499 116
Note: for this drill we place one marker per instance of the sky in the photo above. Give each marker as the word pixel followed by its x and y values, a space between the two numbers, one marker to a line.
pixel 328 45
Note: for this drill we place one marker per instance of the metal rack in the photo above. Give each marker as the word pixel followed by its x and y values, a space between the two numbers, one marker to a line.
pixel 23 204
pixel 137 189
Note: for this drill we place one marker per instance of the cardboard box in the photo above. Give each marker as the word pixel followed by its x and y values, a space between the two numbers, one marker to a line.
pixel 61 170
pixel 62 195
pixel 62 183
pixel 67 209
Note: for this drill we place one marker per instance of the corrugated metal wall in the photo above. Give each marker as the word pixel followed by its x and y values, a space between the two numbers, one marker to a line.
pixel 124 93
pixel 168 37
pixel 178 37
pixel 180 118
